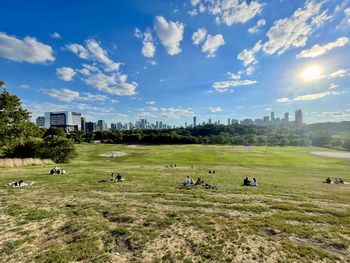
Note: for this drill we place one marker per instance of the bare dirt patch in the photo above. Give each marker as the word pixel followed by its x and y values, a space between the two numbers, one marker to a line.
pixel 341 155
pixel 113 154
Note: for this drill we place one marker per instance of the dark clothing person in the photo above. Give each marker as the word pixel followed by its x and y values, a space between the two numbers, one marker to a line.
pixel 246 182
pixel 328 180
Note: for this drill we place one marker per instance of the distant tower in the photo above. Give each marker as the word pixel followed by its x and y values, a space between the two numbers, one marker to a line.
pixel 286 117
pixel 272 116
pixel 209 121
pixel 186 124
pixel 299 118
pixel 228 121
pixel 83 128
pixel 194 121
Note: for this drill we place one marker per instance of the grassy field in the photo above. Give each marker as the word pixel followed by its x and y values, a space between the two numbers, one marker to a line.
pixel 290 217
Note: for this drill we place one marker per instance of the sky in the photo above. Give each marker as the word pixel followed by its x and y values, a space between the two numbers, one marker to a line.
pixel 168 61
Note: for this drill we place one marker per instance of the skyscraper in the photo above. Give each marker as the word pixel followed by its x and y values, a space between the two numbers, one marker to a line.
pixel 286 117
pixel 101 125
pixel 90 126
pixel 299 118
pixel 209 121
pixel 228 121
pixel 83 124
pixel 194 121
pixel 272 116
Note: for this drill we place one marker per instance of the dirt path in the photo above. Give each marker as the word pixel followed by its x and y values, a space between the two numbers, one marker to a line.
pixel 341 155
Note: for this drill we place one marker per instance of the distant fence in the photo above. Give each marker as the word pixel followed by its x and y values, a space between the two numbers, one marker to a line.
pixel 17 162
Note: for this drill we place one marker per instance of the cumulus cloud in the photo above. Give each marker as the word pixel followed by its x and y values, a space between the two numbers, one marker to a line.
pixel 170 34
pixel 256 28
pixel 27 50
pixel 175 113
pixel 66 95
pixel 212 44
pixel 199 36
pixel 224 85
pixel 333 86
pixel 104 74
pixel 65 73
pixel 282 100
pixel 215 109
pixel 318 50
pixel 55 36
pixel 148 48
pixel 150 102
pixel 248 56
pixel 293 31
pixel 231 12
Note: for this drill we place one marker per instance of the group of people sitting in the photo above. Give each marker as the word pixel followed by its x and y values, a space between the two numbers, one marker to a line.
pixel 210 171
pixel 57 170
pixel 19 184
pixel 335 181
pixel 247 182
pixel 117 178
pixel 199 182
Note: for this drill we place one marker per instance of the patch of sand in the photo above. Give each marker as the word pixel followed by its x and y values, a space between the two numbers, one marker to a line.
pixel 113 154
pixel 342 155
pixel 133 146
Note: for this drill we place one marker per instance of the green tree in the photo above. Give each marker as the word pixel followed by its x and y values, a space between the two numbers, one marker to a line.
pixel 58 149
pixel 13 121
pixel 55 131
pixel 346 144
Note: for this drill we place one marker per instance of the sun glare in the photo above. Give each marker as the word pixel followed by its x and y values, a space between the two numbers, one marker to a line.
pixel 311 73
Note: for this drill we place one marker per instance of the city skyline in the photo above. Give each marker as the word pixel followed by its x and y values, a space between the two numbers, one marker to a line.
pixel 71 121
pixel 123 61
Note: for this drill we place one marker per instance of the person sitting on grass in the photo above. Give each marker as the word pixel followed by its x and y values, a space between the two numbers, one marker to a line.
pixel 254 183
pixel 327 181
pixel 246 182
pixel 119 178
pixel 19 184
pixel 112 177
pixel 199 181
pixel 188 181
pixel 338 181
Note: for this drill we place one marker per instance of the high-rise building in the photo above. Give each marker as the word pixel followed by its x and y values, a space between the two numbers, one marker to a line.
pixel 40 121
pixel 90 126
pixel 67 120
pixel 209 121
pixel 101 125
pixel 186 124
pixel 234 121
pixel 113 126
pixel 218 122
pixel 272 116
pixel 83 128
pixel 266 120
pixel 194 121
pixel 228 121
pixel 299 118
pixel 286 117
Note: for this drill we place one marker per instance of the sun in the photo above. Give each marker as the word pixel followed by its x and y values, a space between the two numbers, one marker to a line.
pixel 311 73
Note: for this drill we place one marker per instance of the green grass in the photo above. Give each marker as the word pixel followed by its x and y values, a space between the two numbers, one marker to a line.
pixel 290 217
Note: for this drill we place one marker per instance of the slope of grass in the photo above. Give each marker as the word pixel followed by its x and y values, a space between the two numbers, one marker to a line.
pixel 290 217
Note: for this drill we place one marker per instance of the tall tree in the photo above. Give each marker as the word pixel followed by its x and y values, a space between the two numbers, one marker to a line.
pixel 13 120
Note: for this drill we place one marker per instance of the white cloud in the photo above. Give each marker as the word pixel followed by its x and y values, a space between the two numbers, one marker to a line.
pixel 232 12
pixel 232 83
pixel 65 73
pixel 27 50
pixel 293 31
pixel 256 28
pixel 55 36
pixel 170 34
pixel 250 70
pixel 248 56
pixel 199 36
pixel 282 100
pixel 148 48
pixel 195 2
pixel 78 50
pixel 193 12
pixel 105 76
pixel 234 75
pixel 99 54
pixel 215 109
pixel 315 96
pixel 175 113
pixel 150 102
pixel 152 62
pixel 87 96
pixel 333 86
pixel 318 50
pixel 338 73
pixel 212 44
pixel 66 95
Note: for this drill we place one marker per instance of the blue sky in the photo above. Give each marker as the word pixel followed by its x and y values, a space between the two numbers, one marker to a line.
pixel 170 60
